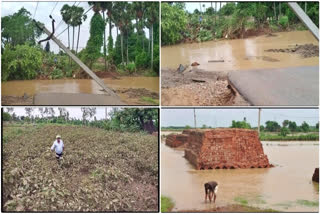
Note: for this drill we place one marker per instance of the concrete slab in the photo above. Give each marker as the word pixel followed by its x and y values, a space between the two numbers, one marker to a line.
pixel 295 86
pixel 75 99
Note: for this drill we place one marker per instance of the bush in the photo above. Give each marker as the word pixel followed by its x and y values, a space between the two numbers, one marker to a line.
pixel 20 62
pixel 204 35
pixel 56 74
pixel 6 116
pixel 284 131
pixel 131 67
pixel 142 60
pixel 283 21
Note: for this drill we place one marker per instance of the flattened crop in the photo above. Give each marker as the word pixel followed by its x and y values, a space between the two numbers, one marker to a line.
pixel 101 171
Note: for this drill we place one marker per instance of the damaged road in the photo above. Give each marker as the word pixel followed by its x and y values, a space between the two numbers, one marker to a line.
pixel 197 88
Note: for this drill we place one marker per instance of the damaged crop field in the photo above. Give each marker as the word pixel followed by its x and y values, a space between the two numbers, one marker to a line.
pixel 101 170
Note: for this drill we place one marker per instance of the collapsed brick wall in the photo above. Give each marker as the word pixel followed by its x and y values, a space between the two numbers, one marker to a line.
pixel 176 140
pixel 225 149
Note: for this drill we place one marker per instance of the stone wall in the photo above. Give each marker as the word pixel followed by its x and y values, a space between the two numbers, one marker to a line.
pixel 225 149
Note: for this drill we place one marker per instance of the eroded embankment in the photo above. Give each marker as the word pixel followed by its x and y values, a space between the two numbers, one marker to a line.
pixel 197 88
pixel 101 170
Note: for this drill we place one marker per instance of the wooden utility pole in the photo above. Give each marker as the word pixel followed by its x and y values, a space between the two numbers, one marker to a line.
pixel 80 63
pixel 194 117
pixel 259 121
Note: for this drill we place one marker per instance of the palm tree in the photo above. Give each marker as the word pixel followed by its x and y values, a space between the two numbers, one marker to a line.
pixel 79 19
pixel 140 8
pixel 66 16
pixel 152 13
pixel 119 8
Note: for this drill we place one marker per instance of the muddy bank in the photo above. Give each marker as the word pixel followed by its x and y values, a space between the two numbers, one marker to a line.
pixel 305 51
pixel 197 88
pixel 15 100
pixel 131 96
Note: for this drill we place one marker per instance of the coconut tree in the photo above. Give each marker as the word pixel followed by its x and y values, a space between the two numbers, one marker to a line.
pixel 152 14
pixel 79 19
pixel 104 7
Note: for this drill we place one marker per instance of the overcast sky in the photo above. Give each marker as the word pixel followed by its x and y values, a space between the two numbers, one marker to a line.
pixel 191 6
pixel 224 117
pixel 42 15
pixel 74 112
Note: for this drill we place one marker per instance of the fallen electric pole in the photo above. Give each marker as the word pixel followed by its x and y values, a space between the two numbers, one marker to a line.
pixel 80 63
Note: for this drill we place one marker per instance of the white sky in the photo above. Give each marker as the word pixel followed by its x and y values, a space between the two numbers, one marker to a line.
pixel 191 6
pixel 224 117
pixel 74 112
pixel 42 15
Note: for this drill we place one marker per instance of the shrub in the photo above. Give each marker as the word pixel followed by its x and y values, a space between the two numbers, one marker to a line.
pixel 131 67
pixel 20 62
pixel 6 116
pixel 56 74
pixel 142 60
pixel 283 21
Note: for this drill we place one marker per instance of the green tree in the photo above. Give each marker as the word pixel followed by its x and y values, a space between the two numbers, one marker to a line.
pixel 285 123
pixel 293 126
pixel 19 28
pixel 240 124
pixel 272 126
pixel 305 127
pixel 284 131
pixel 66 14
pixel 20 63
pixel 228 9
pixel 6 116
pixel 95 42
pixel 173 23
pixel 152 13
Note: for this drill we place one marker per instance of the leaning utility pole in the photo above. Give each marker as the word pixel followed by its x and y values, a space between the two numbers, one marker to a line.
pixel 305 19
pixel 194 117
pixel 259 121
pixel 80 63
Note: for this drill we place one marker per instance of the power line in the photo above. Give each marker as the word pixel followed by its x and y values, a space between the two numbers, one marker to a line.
pixel 35 10
pixel 54 8
pixel 62 18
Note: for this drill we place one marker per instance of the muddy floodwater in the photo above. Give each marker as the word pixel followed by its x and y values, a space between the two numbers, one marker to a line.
pixel 281 188
pixel 32 87
pixel 240 54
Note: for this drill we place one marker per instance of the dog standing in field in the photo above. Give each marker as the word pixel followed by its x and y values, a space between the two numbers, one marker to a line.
pixel 58 147
pixel 211 188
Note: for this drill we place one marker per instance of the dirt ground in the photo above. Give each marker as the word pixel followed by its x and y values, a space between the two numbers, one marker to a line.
pixel 12 100
pixel 101 170
pixel 197 88
pixel 305 51
pixel 234 208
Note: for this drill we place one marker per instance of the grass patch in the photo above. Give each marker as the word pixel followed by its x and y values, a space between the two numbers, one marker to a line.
pixel 308 203
pixel 307 137
pixel 241 200
pixel 150 100
pixel 166 204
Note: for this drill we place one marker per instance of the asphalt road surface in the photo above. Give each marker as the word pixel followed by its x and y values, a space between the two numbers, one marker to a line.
pixel 298 86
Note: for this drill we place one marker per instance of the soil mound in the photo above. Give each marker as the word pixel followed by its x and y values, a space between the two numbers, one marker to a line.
pixel 101 170
pixel 305 51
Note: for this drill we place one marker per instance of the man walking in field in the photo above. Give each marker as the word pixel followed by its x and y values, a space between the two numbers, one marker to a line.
pixel 58 147
pixel 211 188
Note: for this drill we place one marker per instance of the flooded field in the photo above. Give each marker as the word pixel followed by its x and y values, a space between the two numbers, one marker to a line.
pixel 240 54
pixel 285 187
pixel 32 87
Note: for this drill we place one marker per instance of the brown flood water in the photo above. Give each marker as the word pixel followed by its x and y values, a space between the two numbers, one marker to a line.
pixel 31 87
pixel 278 188
pixel 240 54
